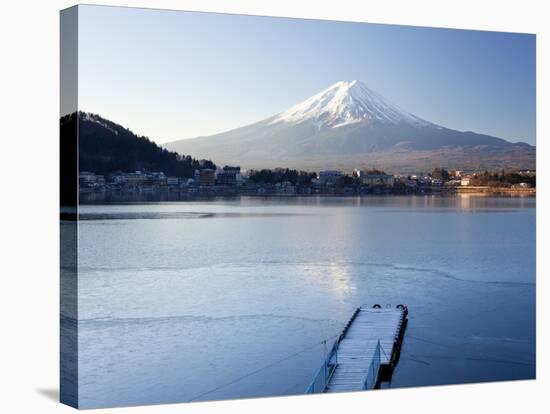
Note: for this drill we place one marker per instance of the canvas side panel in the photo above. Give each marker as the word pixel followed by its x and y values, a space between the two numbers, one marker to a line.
pixel 68 386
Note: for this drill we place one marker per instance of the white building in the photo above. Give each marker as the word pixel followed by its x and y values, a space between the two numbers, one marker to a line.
pixel 465 180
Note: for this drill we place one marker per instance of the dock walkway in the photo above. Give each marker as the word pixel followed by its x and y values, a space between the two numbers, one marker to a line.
pixel 367 348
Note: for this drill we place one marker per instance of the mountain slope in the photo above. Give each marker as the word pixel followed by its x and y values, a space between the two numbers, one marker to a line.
pixel 348 125
pixel 106 147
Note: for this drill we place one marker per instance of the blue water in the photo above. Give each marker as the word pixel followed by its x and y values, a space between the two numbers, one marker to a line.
pixel 183 301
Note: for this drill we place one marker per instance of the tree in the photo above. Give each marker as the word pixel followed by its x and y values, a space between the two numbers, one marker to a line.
pixel 440 174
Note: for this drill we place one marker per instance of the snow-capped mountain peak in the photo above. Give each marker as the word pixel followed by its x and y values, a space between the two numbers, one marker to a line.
pixel 345 103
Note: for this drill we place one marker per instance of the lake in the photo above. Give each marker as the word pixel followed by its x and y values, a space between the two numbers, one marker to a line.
pixel 203 300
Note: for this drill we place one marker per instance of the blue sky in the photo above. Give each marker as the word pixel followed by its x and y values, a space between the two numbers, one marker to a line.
pixel 172 75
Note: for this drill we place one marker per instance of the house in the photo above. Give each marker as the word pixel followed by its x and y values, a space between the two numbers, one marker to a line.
pixel 286 187
pixel 466 180
pixel 172 181
pixel 329 177
pixel 87 179
pixel 205 177
pixel 367 178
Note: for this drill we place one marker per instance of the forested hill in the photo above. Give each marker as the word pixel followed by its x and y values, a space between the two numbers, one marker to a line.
pixel 106 147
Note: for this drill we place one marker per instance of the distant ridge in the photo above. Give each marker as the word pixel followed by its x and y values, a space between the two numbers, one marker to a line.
pixel 105 147
pixel 349 125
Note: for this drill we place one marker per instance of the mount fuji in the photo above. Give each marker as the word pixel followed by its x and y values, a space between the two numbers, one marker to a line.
pixel 349 125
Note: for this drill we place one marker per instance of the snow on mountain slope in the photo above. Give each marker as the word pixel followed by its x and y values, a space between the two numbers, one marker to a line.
pixel 345 103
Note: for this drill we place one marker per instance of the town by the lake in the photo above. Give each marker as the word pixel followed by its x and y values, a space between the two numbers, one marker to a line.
pixel 232 180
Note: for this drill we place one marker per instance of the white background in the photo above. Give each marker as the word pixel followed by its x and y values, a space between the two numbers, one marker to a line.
pixel 29 289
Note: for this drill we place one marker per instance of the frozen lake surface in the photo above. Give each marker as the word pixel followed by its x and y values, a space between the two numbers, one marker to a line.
pixel 183 301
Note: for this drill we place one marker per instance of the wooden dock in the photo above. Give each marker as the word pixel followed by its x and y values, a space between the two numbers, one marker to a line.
pixel 366 351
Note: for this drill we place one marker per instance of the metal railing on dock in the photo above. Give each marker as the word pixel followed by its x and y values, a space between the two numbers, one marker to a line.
pixel 320 381
pixel 372 373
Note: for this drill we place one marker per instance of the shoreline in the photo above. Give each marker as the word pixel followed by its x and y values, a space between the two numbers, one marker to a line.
pixel 482 190
pixel 159 197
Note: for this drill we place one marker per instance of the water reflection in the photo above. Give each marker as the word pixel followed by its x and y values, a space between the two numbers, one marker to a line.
pixel 341 281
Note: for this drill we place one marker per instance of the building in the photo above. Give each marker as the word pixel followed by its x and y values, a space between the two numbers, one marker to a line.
pixel 131 179
pixel 329 177
pixel 90 180
pixel 86 179
pixel 172 181
pixel 230 176
pixel 206 177
pixel 158 178
pixel 286 187
pixel 367 178
pixel 139 179
pixel 466 180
